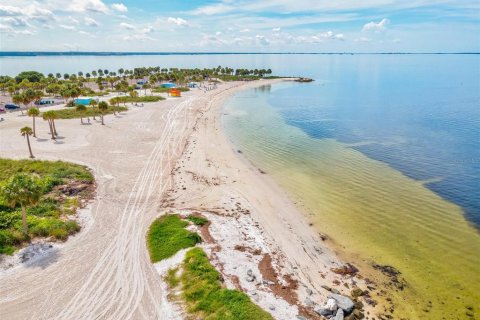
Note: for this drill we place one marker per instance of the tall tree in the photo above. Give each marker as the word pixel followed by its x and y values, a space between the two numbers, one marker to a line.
pixel 81 109
pixel 27 132
pixel 103 107
pixel 93 103
pixel 24 190
pixel 49 117
pixel 33 112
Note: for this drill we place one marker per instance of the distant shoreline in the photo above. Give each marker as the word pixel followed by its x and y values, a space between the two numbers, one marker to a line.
pixel 92 53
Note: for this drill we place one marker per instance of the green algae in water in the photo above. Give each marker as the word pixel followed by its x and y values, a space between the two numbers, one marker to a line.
pixel 373 211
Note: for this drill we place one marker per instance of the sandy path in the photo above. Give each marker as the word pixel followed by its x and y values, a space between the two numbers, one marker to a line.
pixel 104 272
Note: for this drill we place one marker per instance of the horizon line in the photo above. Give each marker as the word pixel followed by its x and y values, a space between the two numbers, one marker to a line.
pixel 125 53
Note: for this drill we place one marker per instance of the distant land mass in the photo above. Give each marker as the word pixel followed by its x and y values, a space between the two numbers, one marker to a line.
pixel 92 53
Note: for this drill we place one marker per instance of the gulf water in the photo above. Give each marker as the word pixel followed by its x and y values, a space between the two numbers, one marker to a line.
pixel 382 153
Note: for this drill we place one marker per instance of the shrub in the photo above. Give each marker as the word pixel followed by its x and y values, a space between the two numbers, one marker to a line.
pixel 46 218
pixel 59 234
pixel 197 220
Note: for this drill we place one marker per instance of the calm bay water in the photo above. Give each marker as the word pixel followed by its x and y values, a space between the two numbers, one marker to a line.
pixel 383 151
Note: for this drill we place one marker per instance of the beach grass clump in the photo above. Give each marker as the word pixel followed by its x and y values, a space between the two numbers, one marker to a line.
pixel 204 295
pixel 61 186
pixel 71 113
pixel 197 220
pixel 128 99
pixel 167 235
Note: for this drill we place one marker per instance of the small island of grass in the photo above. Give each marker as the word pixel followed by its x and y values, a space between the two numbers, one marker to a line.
pixel 55 190
pixel 196 278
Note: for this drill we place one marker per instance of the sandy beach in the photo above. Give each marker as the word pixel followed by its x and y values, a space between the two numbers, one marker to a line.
pixel 170 156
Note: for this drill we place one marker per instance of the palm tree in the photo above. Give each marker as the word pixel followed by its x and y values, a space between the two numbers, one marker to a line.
pixel 18 99
pixel 33 112
pixel 50 116
pixel 24 190
pixel 93 103
pixel 145 87
pixel 27 132
pixel 102 106
pixel 53 116
pixel 81 109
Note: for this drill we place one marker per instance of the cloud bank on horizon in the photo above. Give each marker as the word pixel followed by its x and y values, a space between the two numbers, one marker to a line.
pixel 241 26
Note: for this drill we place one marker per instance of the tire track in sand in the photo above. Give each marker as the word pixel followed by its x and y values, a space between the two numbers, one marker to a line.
pixel 118 283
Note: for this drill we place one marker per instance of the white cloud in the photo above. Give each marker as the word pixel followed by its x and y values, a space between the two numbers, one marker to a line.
pixel 377 27
pixel 72 20
pixel 15 21
pixel 147 30
pixel 127 26
pixel 262 40
pixel 330 35
pixel 120 7
pixel 276 29
pixel 177 21
pixel 87 34
pixel 137 37
pixel 244 30
pixel 90 22
pixel 82 6
pixel 6 11
pixel 66 27
pixel 12 32
pixel 363 39
pixel 213 9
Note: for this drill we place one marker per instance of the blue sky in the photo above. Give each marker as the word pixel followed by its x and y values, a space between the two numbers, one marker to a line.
pixel 241 26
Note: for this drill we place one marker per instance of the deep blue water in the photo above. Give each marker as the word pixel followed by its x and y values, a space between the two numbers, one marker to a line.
pixel 420 115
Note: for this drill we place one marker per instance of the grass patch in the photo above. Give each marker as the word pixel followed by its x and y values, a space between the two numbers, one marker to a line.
pixel 48 218
pixel 72 113
pixel 171 278
pixel 197 220
pixel 167 235
pixel 205 297
pixel 126 99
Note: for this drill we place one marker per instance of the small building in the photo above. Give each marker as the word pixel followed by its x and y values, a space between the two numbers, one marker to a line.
pixel 42 102
pixel 174 92
pixel 168 85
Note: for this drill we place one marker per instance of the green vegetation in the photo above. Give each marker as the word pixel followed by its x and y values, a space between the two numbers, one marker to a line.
pixel 171 278
pixel 90 112
pixel 197 220
pixel 46 193
pixel 204 295
pixel 99 82
pixel 125 99
pixel 165 90
pixel 167 235
pixel 31 76
pixel 200 282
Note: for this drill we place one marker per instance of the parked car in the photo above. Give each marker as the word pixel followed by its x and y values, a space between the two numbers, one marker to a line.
pixel 11 106
pixel 2 109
